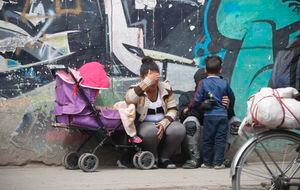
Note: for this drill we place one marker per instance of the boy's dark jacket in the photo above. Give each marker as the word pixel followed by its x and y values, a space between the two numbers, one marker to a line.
pixel 184 101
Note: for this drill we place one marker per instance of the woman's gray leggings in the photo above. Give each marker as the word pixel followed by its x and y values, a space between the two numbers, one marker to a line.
pixel 174 135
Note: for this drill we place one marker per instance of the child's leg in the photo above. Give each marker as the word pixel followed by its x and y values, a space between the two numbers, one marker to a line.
pixel 209 131
pixel 220 139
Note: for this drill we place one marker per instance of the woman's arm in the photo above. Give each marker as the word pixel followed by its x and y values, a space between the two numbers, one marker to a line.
pixel 133 94
pixel 171 109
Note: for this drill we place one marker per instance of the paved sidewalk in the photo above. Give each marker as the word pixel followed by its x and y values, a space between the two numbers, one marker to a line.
pixel 56 177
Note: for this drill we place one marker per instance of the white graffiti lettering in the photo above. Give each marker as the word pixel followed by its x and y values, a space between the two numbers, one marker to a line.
pixel 149 4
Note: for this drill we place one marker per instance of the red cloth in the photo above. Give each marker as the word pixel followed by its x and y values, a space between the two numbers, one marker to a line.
pixel 94 76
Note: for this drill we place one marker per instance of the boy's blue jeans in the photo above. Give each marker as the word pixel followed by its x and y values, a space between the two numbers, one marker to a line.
pixel 214 139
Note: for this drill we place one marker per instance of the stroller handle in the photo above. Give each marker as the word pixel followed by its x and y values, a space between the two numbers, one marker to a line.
pixel 54 68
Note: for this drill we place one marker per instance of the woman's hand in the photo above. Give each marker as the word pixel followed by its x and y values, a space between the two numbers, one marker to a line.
pixel 153 76
pixel 161 130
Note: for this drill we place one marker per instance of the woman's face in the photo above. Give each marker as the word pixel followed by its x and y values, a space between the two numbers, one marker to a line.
pixel 154 76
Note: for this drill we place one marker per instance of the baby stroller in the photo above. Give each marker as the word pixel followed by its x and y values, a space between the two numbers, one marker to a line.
pixel 75 96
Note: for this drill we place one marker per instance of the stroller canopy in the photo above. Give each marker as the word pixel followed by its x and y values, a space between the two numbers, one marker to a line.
pixel 69 101
pixel 92 74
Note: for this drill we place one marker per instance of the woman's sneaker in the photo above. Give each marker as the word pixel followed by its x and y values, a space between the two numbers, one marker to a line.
pixel 218 167
pixel 154 166
pixel 168 164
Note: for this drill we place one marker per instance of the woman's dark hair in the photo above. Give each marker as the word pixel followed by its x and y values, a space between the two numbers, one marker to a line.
pixel 148 64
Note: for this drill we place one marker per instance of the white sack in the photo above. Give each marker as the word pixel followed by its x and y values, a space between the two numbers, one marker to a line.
pixel 269 107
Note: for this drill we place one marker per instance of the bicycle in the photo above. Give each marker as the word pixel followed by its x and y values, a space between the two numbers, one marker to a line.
pixel 268 160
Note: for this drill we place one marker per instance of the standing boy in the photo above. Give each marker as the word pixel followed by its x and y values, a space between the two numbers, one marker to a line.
pixel 215 119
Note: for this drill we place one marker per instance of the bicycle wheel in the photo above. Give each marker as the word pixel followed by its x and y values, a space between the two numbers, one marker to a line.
pixel 270 162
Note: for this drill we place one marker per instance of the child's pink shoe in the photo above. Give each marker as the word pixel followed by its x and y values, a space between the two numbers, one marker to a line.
pixel 136 139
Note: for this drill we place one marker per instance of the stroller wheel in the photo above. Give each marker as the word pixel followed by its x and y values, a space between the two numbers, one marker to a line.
pixel 80 158
pixel 70 160
pixel 146 160
pixel 88 162
pixel 135 160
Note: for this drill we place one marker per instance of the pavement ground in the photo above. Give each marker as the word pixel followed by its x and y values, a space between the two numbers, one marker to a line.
pixel 42 177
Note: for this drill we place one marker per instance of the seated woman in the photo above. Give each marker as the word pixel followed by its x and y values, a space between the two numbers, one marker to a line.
pixel 156 111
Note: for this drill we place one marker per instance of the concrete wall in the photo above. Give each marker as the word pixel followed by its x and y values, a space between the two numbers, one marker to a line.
pixel 248 35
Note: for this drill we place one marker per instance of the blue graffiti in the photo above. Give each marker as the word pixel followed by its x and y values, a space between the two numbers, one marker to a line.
pixel 203 45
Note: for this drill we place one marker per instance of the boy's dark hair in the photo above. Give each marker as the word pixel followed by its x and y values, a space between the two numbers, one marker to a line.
pixel 199 75
pixel 213 64
pixel 148 64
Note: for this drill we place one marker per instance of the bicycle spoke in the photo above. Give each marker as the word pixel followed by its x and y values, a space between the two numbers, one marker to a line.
pixel 255 173
pixel 266 166
pixel 293 171
pixel 273 160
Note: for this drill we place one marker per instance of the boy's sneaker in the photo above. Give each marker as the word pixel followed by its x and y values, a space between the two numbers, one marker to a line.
pixel 190 164
pixel 218 167
pixel 205 166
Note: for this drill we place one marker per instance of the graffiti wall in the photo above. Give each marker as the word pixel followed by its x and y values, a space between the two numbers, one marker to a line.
pixel 33 35
pixel 249 35
pixel 259 47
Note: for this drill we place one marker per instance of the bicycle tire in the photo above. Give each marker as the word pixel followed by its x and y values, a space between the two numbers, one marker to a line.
pixel 250 171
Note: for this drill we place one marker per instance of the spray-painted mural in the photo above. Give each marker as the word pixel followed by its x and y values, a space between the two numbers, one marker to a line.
pixel 33 35
pixel 40 32
pixel 250 36
pixel 247 34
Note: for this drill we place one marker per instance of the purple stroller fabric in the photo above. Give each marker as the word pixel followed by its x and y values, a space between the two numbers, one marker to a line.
pixel 110 118
pixel 68 101
pixel 70 108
